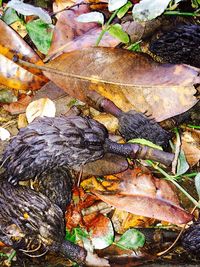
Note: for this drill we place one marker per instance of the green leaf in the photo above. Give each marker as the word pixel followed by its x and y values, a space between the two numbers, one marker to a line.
pixel 182 165
pixel 29 10
pixel 148 9
pixel 116 4
pixel 10 16
pixel 197 183
pixel 131 239
pixel 122 11
pixel 144 142
pixel 76 234
pixel 117 32
pixel 91 17
pixel 41 34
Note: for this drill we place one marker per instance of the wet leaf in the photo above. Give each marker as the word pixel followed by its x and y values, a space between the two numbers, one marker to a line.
pixel 28 10
pixel 79 35
pixel 131 239
pixel 109 164
pixel 41 34
pixel 197 183
pixel 148 9
pixel 76 234
pixel 91 17
pixel 116 31
pixel 4 134
pixel 18 106
pixel 142 194
pixel 102 233
pixel 130 80
pixel 11 74
pixel 39 108
pixel 14 76
pixel 115 4
pixel 123 220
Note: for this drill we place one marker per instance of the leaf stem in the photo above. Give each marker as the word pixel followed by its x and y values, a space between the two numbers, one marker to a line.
pixel 176 13
pixel 106 26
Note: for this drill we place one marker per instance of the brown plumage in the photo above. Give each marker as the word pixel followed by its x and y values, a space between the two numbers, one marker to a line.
pixel 180 45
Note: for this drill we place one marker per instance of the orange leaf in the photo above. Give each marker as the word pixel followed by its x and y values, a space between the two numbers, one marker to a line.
pixel 142 194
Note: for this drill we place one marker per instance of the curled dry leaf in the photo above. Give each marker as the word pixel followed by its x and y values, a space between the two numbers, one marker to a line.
pixel 69 34
pixel 123 220
pixel 109 164
pixel 40 108
pixel 18 106
pixel 142 194
pixel 11 74
pixel 191 146
pixel 130 80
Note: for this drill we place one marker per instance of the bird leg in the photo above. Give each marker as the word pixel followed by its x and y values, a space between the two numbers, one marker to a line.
pixel 140 152
pixel 132 124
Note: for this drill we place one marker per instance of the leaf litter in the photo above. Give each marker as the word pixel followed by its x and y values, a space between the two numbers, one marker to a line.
pixel 132 81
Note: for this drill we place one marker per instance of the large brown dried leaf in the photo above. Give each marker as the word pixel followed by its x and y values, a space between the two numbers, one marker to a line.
pixel 142 194
pixel 131 80
pixel 69 34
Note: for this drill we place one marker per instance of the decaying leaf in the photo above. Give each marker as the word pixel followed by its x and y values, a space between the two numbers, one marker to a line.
pixel 39 108
pixel 109 164
pixel 14 76
pixel 12 44
pixel 123 220
pixel 18 106
pixel 130 80
pixel 102 233
pixel 69 34
pixel 191 146
pixel 142 194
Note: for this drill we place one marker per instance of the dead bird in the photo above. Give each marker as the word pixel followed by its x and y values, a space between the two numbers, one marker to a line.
pixel 73 141
pixel 33 225
pixel 180 45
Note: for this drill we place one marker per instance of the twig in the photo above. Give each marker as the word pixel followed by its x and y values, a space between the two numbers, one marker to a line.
pixel 177 151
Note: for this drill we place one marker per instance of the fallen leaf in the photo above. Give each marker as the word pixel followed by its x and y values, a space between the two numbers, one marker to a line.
pixel 123 220
pixel 130 80
pixel 69 34
pixel 191 146
pixel 102 233
pixel 18 106
pixel 40 108
pixel 142 194
pixel 12 44
pixel 27 10
pixel 14 76
pixel 148 10
pixel 4 134
pixel 109 164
